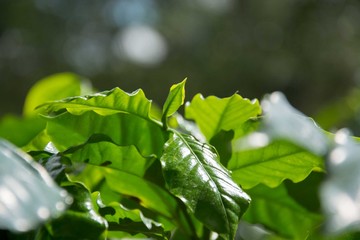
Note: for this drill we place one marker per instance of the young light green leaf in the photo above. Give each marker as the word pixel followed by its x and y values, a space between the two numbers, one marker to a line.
pixel 103 103
pixel 213 114
pixel 340 192
pixel 193 173
pixel 174 100
pixel 28 195
pixel 273 164
pixel 274 209
pixel 55 87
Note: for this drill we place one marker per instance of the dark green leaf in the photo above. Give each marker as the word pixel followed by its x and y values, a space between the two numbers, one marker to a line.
pixel 222 142
pixel 193 173
pixel 80 221
pixel 149 195
pixel 132 221
pixel 306 192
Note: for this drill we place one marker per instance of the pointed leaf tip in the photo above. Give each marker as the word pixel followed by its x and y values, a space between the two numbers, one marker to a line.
pixel 174 100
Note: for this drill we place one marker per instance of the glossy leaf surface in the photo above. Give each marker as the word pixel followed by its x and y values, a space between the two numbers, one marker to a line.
pixel 273 208
pixel 193 173
pixel 273 164
pixel 213 114
pixel 28 196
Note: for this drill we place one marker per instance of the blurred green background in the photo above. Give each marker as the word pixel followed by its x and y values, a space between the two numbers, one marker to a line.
pixel 307 49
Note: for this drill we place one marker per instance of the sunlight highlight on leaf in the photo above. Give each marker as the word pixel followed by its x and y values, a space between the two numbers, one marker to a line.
pixel 175 99
pixel 213 114
pixel 193 173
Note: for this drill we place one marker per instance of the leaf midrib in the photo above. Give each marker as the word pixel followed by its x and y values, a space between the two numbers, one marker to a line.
pixel 221 119
pixel 203 168
pixel 267 160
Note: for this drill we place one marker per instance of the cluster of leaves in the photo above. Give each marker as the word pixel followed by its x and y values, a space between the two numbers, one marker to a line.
pixel 238 170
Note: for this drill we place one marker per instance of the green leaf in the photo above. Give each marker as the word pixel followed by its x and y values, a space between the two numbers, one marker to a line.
pixel 28 196
pixel 340 192
pixel 275 210
pixel 273 164
pixel 306 192
pixel 67 130
pixel 40 143
pixel 288 146
pixel 132 221
pixel 80 221
pixel 213 114
pixel 193 173
pixel 20 131
pixel 149 195
pixel 223 145
pixel 100 150
pixel 103 103
pixel 55 87
pixel 174 100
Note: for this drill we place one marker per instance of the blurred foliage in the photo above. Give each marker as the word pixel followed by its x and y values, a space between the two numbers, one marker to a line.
pixel 306 49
